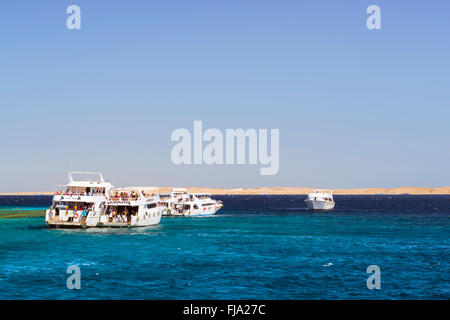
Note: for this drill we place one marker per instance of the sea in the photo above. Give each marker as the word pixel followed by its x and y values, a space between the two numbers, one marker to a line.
pixel 256 247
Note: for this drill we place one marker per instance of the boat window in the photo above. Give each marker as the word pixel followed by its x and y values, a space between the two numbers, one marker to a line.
pixel 75 206
pixel 151 205
pixel 71 190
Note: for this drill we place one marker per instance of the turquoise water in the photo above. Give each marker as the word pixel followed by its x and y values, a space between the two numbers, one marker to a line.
pixel 12 208
pixel 238 254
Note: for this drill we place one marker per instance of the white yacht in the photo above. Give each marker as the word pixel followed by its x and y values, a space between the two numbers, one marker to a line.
pixel 320 200
pixel 173 202
pixel 201 205
pixel 182 203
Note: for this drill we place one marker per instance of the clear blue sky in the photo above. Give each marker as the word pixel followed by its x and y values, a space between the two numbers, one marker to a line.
pixel 355 108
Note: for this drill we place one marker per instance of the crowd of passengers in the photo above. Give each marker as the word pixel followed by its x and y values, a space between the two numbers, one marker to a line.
pixel 124 196
pixel 86 192
pixel 119 217
pixel 85 209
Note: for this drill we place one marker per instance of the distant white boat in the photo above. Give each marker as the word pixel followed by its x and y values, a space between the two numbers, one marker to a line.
pixel 201 205
pixel 320 200
pixel 181 203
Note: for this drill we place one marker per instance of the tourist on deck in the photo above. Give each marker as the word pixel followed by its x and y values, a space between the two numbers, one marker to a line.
pixel 84 214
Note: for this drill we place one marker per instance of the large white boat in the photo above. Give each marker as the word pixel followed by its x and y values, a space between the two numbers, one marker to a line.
pixel 131 208
pixel 182 203
pixel 320 200
pixel 95 203
pixel 78 198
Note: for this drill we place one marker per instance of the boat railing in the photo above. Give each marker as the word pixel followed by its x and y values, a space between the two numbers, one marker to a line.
pixel 123 200
pixel 89 194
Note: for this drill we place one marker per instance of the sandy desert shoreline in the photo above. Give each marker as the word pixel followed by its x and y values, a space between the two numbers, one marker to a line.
pixel 280 190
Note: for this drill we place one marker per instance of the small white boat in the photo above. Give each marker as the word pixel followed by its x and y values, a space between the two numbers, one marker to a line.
pixel 320 200
pixel 182 203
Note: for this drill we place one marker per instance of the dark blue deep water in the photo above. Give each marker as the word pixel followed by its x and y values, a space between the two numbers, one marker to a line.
pixel 257 247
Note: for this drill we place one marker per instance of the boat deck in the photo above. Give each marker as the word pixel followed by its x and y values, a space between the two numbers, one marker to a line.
pixel 58 224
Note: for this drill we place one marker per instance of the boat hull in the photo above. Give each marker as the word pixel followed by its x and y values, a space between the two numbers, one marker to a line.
pixel 75 225
pixel 173 213
pixel 209 211
pixel 319 205
pixel 102 222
